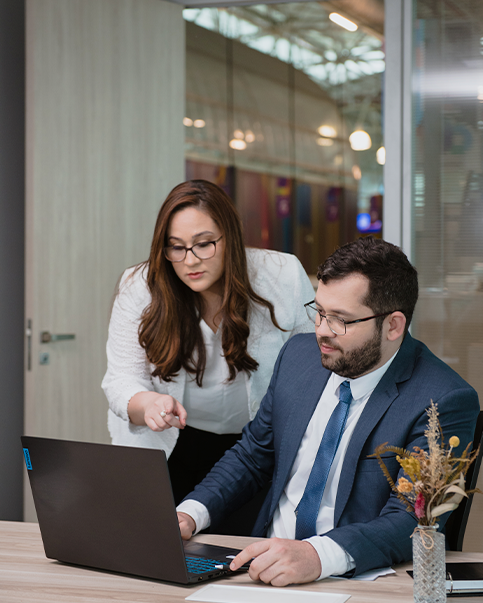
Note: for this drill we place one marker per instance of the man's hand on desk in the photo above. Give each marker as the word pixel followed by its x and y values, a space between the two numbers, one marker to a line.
pixel 187 525
pixel 280 561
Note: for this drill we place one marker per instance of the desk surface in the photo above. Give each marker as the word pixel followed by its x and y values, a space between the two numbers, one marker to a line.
pixel 27 576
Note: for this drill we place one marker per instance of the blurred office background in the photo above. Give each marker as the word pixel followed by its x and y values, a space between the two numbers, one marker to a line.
pixel 320 134
pixel 273 95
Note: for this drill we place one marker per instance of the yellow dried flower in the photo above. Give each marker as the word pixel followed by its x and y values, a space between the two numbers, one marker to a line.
pixel 411 466
pixel 435 481
pixel 404 485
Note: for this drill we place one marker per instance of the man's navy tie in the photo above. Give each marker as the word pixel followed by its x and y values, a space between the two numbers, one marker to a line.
pixel 308 507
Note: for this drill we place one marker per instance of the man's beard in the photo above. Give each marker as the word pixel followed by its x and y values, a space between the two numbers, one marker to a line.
pixel 356 362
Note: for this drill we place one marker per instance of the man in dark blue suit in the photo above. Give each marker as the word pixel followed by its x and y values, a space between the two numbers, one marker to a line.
pixel 362 310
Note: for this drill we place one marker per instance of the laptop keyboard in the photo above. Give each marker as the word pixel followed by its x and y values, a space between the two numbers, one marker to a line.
pixel 200 565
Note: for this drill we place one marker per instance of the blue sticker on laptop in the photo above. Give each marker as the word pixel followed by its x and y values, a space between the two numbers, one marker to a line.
pixel 28 462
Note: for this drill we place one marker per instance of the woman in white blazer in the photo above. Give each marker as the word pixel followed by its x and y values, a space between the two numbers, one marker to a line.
pixel 195 332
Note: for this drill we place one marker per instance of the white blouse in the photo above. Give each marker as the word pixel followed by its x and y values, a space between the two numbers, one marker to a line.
pixel 220 406
pixel 277 277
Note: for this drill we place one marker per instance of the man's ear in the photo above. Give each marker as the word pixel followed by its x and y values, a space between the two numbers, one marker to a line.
pixel 396 325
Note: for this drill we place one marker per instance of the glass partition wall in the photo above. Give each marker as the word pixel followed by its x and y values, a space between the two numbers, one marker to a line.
pixel 447 199
pixel 274 93
pixel 447 192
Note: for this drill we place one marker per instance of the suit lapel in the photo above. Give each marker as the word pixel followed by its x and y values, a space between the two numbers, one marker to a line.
pixel 380 400
pixel 301 411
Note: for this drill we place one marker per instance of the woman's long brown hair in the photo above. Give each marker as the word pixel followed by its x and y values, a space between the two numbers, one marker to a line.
pixel 170 329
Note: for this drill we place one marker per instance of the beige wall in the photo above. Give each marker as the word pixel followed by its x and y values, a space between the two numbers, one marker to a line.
pixel 105 144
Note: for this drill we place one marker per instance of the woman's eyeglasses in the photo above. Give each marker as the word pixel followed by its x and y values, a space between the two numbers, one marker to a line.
pixel 203 251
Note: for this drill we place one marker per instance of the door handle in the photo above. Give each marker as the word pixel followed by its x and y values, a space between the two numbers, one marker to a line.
pixel 46 337
pixel 28 333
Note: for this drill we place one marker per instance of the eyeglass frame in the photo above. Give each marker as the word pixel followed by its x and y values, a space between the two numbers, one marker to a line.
pixel 186 249
pixel 341 320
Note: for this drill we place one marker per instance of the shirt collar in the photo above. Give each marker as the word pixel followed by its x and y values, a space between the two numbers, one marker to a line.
pixel 362 386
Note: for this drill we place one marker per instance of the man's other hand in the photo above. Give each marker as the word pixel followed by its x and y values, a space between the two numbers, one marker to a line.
pixel 187 525
pixel 280 561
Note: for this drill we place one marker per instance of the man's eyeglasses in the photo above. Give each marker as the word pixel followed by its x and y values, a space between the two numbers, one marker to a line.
pixel 336 325
pixel 203 251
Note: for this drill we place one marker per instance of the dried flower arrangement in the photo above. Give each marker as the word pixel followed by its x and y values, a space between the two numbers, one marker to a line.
pixel 435 482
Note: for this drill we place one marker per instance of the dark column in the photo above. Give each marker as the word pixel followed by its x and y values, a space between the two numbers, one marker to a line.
pixel 12 241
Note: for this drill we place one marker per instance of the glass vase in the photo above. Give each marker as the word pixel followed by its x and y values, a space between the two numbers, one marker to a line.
pixel 429 565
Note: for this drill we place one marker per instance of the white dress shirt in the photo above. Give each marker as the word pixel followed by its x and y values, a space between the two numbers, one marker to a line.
pixel 333 558
pixel 220 406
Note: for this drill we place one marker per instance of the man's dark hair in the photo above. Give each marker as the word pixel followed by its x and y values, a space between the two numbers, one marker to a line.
pixel 393 281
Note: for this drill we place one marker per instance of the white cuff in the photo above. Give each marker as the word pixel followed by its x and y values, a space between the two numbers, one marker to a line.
pixel 334 560
pixel 197 511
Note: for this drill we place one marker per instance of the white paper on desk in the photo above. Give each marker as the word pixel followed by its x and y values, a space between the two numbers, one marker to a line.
pixel 376 573
pixel 371 574
pixel 221 593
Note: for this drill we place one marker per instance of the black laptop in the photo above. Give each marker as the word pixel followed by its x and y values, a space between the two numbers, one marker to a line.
pixel 112 508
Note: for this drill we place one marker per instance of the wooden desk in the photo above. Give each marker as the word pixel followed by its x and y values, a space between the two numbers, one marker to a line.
pixel 27 576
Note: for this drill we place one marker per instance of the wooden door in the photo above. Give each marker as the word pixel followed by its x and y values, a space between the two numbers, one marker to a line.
pixel 105 144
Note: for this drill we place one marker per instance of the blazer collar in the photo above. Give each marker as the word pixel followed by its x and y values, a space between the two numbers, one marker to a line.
pixel 381 399
pixel 295 427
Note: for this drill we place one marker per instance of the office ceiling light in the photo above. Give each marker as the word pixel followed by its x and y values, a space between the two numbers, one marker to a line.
pixel 381 155
pixel 342 21
pixel 239 134
pixel 199 123
pixel 249 136
pixel 187 121
pixel 356 172
pixel 238 144
pixel 360 140
pixel 325 142
pixel 327 131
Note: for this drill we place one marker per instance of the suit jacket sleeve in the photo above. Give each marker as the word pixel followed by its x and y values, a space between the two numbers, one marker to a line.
pixel 386 539
pixel 245 468
pixel 371 524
